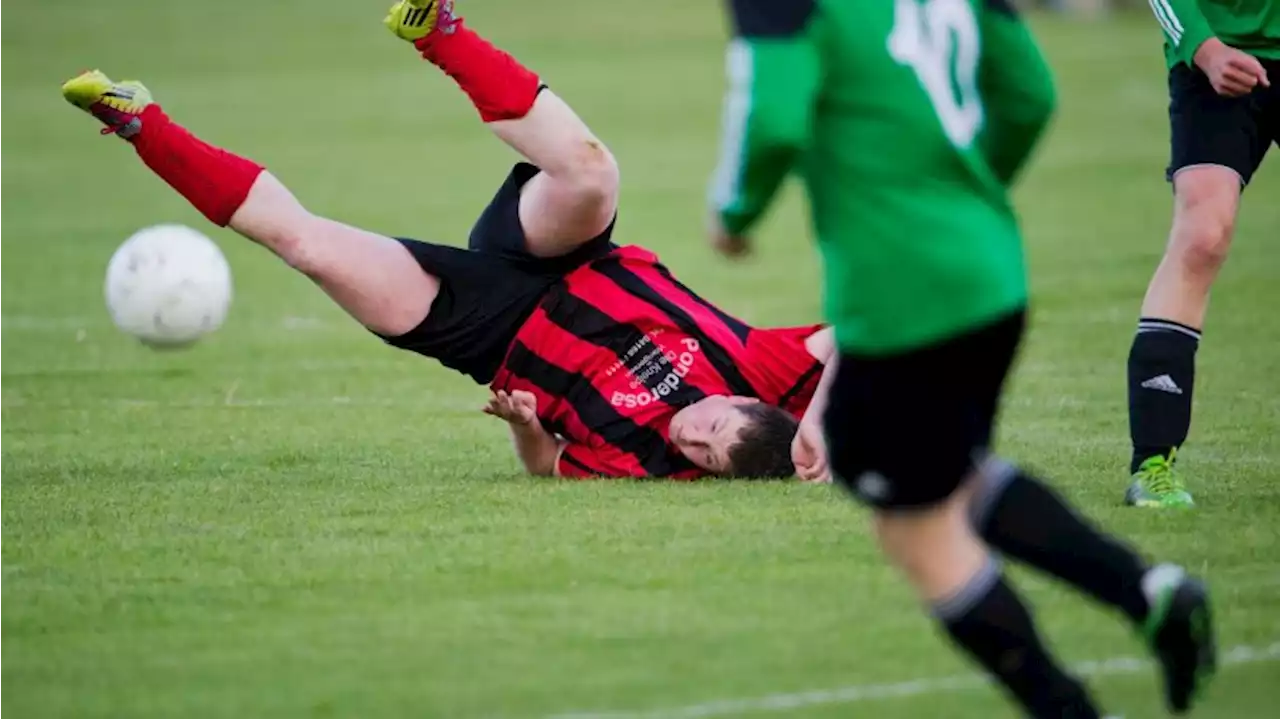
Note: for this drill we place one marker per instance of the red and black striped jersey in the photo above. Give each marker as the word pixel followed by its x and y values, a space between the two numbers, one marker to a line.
pixel 618 347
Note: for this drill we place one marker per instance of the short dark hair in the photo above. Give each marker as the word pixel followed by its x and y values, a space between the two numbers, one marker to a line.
pixel 763 449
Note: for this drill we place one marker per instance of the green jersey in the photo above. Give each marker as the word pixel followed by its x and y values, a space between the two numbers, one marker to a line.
pixel 907 120
pixel 1249 25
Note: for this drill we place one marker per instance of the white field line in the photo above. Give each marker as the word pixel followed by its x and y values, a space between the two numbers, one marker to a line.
pixel 925 686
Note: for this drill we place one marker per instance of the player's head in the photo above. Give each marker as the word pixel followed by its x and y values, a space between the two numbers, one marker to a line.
pixel 736 436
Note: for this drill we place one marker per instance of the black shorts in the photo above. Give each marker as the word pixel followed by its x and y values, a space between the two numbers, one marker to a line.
pixel 905 430
pixel 1209 129
pixel 490 288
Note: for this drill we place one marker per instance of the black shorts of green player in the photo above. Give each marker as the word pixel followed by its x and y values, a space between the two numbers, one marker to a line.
pixel 1206 128
pixel 907 429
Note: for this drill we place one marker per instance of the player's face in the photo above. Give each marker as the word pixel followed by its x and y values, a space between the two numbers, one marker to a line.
pixel 704 431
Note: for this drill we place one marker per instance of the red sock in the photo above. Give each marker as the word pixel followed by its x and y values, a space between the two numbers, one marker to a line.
pixel 215 181
pixel 498 85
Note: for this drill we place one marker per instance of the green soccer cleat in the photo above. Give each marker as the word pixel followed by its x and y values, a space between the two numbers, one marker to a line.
pixel 1156 484
pixel 1179 629
pixel 413 20
pixel 118 105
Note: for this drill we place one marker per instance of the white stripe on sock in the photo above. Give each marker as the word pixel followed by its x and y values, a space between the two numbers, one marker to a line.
pixel 1162 326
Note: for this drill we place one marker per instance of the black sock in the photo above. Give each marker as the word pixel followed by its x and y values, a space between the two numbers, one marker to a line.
pixel 1162 371
pixel 992 624
pixel 1026 520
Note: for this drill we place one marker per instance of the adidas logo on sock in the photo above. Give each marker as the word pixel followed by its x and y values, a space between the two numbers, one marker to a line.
pixel 1163 383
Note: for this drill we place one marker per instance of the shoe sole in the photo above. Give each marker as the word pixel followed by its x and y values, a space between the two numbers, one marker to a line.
pixel 1156 504
pixel 1132 501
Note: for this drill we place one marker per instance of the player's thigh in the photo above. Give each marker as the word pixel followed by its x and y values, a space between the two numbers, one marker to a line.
pixel 1209 130
pixel 482 303
pixel 1206 199
pixel 503 228
pixel 573 200
pixel 936 546
pixel 371 276
pixel 905 431
pixel 561 215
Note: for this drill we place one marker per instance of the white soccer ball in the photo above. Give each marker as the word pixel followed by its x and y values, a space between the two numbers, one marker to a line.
pixel 168 285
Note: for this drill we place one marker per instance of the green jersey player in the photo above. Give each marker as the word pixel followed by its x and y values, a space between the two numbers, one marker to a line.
pixel 1224 113
pixel 908 120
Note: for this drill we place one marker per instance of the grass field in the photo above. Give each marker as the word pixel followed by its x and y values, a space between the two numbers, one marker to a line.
pixel 292 520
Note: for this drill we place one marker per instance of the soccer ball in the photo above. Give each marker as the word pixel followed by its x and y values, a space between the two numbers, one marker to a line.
pixel 168 286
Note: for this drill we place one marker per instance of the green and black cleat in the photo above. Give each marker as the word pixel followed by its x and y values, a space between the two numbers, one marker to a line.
pixel 1179 629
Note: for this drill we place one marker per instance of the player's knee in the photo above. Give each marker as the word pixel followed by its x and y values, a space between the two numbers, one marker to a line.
pixel 901 541
pixel 924 541
pixel 593 173
pixel 1203 235
pixel 1207 248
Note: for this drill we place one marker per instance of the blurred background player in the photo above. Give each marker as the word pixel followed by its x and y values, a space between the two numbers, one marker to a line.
pixel 602 363
pixel 909 120
pixel 1224 114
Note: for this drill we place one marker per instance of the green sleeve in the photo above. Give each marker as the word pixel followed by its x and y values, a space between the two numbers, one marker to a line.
pixel 1017 90
pixel 773 72
pixel 1185 27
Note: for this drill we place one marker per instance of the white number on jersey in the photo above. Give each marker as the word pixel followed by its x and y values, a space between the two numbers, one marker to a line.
pixel 938 39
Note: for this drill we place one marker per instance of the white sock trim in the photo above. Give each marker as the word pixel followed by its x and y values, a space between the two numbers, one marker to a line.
pixel 1159 578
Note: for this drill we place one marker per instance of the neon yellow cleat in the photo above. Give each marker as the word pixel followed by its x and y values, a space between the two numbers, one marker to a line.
pixel 116 104
pixel 413 20
pixel 1156 484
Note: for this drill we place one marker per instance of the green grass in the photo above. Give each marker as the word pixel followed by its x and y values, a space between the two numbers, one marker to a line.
pixel 293 520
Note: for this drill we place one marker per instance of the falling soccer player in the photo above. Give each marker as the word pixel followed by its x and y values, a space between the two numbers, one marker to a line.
pixel 602 363
pixel 909 120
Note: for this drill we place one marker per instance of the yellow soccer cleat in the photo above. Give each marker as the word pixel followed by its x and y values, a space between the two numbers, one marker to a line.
pixel 117 104
pixel 413 20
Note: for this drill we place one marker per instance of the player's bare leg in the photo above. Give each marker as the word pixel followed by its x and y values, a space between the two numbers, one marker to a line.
pixel 1206 200
pixel 1162 359
pixel 374 278
pixel 371 276
pixel 575 196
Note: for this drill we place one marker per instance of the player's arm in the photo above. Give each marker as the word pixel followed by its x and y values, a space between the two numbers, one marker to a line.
pixel 1184 26
pixel 773 71
pixel 809 449
pixel 1232 72
pixel 1017 89
pixel 822 345
pixel 538 450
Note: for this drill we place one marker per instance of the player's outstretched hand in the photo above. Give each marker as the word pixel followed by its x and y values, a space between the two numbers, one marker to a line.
pixel 1231 72
pixel 809 453
pixel 518 407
